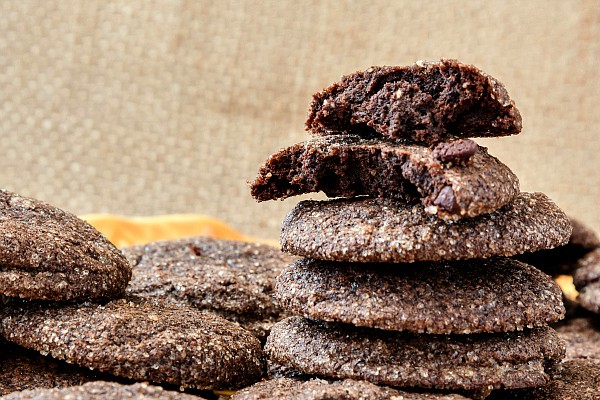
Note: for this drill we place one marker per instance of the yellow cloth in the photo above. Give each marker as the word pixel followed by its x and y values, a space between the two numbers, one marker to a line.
pixel 129 231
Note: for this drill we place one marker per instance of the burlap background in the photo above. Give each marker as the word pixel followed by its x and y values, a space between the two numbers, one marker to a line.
pixel 150 107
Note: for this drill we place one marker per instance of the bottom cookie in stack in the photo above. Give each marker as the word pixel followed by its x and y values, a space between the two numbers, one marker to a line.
pixel 300 346
pixel 320 389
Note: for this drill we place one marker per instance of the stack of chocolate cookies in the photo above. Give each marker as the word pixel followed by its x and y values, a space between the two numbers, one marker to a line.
pixel 406 279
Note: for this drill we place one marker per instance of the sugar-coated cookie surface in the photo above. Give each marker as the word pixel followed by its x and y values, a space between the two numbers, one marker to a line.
pixel 582 337
pixel 586 279
pixel 572 380
pixel 457 184
pixel 22 369
pixel 300 346
pixel 102 390
pixel 385 230
pixel 427 102
pixel 140 339
pixel 565 259
pixel 320 389
pixel 50 254
pixel 232 279
pixel 493 295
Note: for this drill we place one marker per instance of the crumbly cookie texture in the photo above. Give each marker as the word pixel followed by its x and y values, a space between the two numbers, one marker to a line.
pixel 50 254
pixel 475 296
pixel 484 361
pixel 587 280
pixel 425 102
pixel 102 390
pixel 385 230
pixel 453 180
pixel 140 339
pixel 232 279
pixel 320 389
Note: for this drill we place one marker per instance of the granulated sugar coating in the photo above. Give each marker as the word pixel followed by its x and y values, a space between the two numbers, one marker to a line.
pixel 587 280
pixel 478 361
pixel 102 390
pixel 427 102
pixel 582 336
pixel 349 166
pixel 385 230
pixel 563 260
pixel 229 278
pixel 22 369
pixel 319 389
pixel 572 380
pixel 494 295
pixel 49 254
pixel 140 339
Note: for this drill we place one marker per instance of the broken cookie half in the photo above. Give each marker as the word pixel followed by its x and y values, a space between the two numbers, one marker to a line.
pixel 426 102
pixel 454 180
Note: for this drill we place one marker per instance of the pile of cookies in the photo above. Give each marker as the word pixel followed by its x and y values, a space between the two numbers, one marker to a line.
pixel 66 294
pixel 406 279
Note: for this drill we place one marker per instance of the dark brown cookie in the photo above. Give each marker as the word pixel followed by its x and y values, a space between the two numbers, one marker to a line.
pixel 22 369
pixel 349 166
pixel 101 390
pixel 49 254
pixel 229 278
pixel 428 102
pixel 587 280
pixel 140 339
pixel 582 336
pixel 564 259
pixel 477 361
pixel 385 230
pixel 572 380
pixel 583 236
pixel 320 389
pixel 495 295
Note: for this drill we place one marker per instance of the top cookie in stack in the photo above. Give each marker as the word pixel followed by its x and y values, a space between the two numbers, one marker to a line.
pixel 406 281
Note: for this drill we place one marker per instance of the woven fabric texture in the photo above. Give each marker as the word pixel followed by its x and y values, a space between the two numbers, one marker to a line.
pixel 162 106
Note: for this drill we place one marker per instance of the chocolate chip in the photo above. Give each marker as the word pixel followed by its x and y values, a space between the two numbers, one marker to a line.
pixel 447 200
pixel 458 152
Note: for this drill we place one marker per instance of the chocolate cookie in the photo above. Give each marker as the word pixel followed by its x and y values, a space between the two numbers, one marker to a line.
pixel 319 389
pixel 229 278
pixel 22 369
pixel 140 339
pixel 427 102
pixel 49 254
pixel 587 280
pixel 478 361
pixel 573 380
pixel 563 259
pixel 385 230
pixel 102 390
pixel 349 166
pixel 495 295
pixel 582 336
